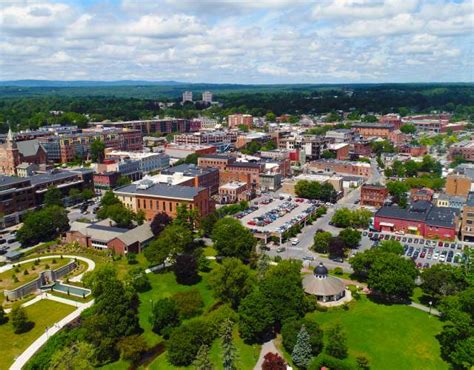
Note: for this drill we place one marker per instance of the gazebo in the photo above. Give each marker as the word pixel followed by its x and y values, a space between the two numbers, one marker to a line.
pixel 326 288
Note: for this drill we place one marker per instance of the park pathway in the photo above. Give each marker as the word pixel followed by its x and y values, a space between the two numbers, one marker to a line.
pixel 432 311
pixel 21 360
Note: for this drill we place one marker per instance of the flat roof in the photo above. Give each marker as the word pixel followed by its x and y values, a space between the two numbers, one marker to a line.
pixel 162 191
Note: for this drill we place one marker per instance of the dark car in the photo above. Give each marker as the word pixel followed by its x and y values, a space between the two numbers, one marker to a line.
pixel 387 237
pixel 410 251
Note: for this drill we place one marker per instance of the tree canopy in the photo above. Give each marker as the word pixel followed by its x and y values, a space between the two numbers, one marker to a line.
pixel 231 239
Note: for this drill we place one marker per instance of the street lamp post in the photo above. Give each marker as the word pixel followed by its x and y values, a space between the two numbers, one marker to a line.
pixel 430 302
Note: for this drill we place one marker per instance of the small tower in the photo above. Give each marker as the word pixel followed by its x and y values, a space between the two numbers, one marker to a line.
pixel 12 155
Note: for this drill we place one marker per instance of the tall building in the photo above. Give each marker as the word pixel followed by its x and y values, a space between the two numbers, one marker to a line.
pixel 187 96
pixel 207 97
pixel 9 156
pixel 236 120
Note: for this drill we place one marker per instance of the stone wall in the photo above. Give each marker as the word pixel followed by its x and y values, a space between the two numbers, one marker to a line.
pixel 33 286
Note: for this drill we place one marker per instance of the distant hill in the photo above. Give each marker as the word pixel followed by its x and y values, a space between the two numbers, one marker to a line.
pixel 53 83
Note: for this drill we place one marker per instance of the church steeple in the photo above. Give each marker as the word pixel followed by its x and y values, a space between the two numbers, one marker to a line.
pixel 10 139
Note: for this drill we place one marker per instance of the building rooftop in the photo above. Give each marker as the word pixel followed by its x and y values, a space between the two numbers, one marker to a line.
pixel 11 180
pixel 233 185
pixel 372 125
pixel 160 190
pixel 189 170
pixel 44 178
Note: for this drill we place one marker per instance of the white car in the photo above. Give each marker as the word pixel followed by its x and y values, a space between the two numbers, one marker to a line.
pixel 436 255
pixel 294 241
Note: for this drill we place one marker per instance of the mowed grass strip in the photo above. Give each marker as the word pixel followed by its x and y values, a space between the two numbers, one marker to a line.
pixel 44 314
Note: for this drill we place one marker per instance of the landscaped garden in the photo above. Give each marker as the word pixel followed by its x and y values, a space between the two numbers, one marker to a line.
pixel 43 314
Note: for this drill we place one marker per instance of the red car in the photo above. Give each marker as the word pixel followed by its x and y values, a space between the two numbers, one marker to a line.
pixel 251 222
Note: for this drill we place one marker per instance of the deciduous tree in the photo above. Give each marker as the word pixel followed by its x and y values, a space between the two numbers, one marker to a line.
pixel 231 239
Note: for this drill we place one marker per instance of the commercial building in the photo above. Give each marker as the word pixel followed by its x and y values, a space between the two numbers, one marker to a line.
pixel 458 185
pixel 342 135
pixel 453 201
pixel 341 167
pixel 311 145
pixel 340 150
pixel 153 126
pixel 67 148
pixel 373 129
pixel 204 177
pixel 147 162
pixel 270 181
pixel 463 149
pixel 103 235
pixel 234 192
pixel 417 194
pixel 420 218
pixel 373 195
pixel 154 198
pixel 412 150
pixel 207 138
pixel 19 195
pixel 236 120
pixel 467 224
pixel 181 151
pixel 288 185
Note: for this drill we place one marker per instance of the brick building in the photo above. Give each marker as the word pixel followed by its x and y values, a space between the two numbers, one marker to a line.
pixel 13 153
pixel 181 151
pixel 154 198
pixel 417 194
pixel 234 192
pixel 373 195
pixel 458 185
pixel 204 177
pixel 373 129
pixel 341 167
pixel 103 235
pixel 420 218
pixel 412 150
pixel 463 149
pixel 153 126
pixel 467 224
pixel 340 150
pixel 236 120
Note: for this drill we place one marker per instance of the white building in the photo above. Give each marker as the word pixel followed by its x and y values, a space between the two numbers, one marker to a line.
pixel 187 96
pixel 207 97
pixel 148 162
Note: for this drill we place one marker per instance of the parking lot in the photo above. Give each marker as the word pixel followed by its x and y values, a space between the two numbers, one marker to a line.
pixel 271 216
pixel 422 251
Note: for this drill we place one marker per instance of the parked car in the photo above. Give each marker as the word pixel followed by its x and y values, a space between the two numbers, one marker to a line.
pixel 294 241
pixel 281 249
pixel 426 265
pixel 435 255
pixel 308 258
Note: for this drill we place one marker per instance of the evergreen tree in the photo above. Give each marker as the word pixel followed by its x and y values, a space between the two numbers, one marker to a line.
pixel 20 320
pixel 301 354
pixel 337 346
pixel 230 352
pixel 202 361
pixel 3 317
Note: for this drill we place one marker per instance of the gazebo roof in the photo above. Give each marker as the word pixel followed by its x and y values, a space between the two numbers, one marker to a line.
pixel 328 286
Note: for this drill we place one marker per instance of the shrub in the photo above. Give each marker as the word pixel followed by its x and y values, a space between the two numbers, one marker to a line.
pixel 132 347
pixel 330 362
pixel 132 259
pixel 277 259
pixel 185 341
pixel 47 267
pixel 164 316
pixel 189 304
pixel 186 270
pixel 26 272
pixel 338 271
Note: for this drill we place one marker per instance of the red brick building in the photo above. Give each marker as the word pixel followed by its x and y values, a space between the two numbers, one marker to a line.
pixel 373 195
pixel 420 218
pixel 236 120
pixel 373 129
pixel 425 194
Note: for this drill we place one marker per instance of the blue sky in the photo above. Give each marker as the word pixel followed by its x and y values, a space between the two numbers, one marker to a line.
pixel 245 41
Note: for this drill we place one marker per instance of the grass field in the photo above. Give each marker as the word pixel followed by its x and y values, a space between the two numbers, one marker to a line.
pixel 43 313
pixel 391 337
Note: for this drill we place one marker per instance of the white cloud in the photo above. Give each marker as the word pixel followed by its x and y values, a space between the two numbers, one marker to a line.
pixel 233 41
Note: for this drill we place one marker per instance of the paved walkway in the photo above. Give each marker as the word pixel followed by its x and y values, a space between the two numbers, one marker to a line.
pixel 90 263
pixel 38 343
pixel 421 307
pixel 266 347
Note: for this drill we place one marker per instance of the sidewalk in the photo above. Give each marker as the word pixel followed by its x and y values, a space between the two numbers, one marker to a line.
pixel 38 343
pixel 421 307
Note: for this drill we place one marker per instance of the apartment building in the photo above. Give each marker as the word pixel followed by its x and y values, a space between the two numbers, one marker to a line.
pixel 236 120
pixel 340 150
pixel 311 145
pixel 207 97
pixel 147 162
pixel 373 195
pixel 463 149
pixel 187 96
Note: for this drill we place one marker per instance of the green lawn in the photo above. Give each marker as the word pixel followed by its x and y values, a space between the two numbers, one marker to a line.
pixel 43 313
pixel 391 337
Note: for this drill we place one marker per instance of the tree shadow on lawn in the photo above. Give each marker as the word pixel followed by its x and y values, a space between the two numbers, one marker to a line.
pixel 387 301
